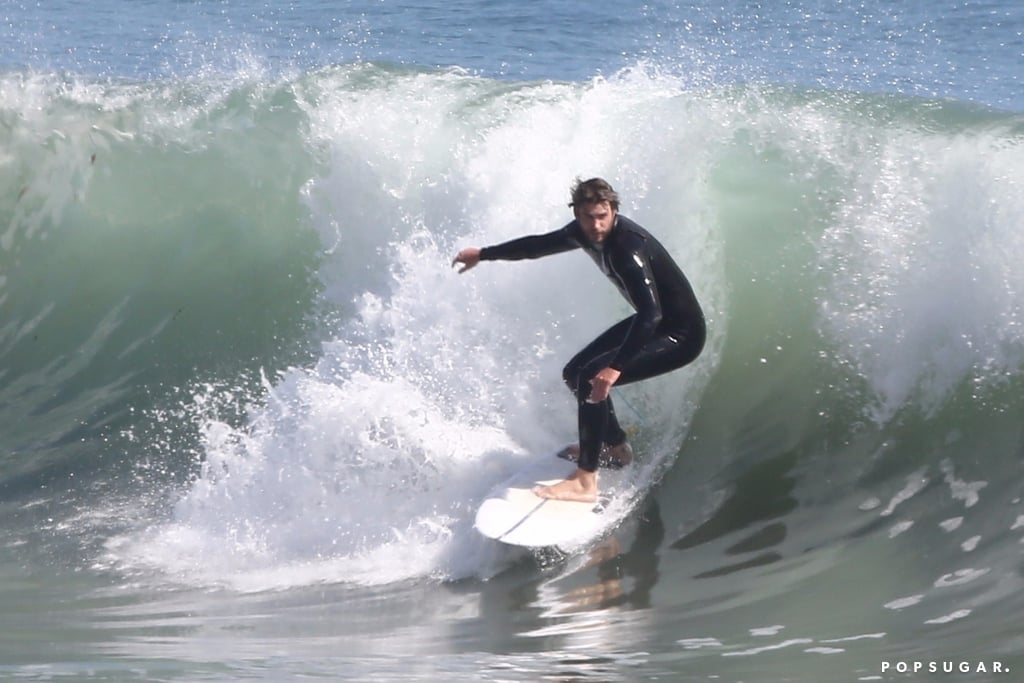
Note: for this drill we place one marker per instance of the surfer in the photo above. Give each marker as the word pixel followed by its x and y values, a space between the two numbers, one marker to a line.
pixel 666 332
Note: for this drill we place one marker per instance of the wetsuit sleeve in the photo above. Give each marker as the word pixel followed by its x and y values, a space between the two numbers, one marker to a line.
pixel 634 270
pixel 531 246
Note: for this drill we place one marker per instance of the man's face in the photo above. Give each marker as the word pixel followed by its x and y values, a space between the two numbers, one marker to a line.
pixel 596 219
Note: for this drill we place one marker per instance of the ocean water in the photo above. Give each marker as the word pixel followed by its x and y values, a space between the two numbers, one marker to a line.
pixel 247 409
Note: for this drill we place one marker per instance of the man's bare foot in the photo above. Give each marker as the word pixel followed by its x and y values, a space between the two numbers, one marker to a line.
pixel 611 457
pixel 581 487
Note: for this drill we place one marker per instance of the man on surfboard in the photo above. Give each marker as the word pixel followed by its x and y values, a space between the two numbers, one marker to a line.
pixel 666 332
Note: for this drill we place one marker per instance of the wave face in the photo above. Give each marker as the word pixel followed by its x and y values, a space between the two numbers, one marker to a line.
pixel 152 235
pixel 235 296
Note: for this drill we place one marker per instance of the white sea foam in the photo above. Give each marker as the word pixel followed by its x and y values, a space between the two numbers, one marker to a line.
pixel 367 467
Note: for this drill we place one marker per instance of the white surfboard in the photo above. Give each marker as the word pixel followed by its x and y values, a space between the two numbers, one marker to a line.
pixel 512 513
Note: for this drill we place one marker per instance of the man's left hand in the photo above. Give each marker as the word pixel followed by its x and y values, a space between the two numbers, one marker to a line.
pixel 601 384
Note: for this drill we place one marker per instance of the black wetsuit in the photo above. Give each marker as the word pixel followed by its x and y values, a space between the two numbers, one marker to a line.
pixel 666 332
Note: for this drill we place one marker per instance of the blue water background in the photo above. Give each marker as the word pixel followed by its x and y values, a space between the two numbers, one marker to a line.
pixel 970 50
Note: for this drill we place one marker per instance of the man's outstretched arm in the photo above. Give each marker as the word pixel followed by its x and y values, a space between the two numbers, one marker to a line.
pixel 529 247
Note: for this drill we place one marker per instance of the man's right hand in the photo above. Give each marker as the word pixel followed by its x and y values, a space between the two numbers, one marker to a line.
pixel 468 257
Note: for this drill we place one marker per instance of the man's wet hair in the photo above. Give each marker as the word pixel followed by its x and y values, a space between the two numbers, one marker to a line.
pixel 594 191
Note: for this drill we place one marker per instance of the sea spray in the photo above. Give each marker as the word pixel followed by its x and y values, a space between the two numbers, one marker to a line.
pixel 433 386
